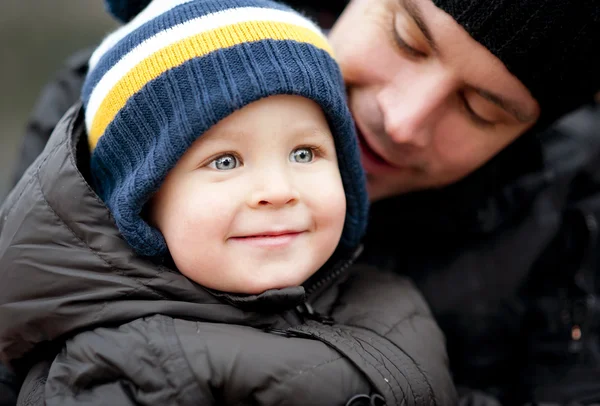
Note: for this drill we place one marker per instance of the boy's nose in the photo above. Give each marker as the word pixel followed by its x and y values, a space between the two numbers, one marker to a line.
pixel 273 189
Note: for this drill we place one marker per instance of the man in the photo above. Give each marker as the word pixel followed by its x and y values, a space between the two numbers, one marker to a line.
pixel 448 105
pixel 494 219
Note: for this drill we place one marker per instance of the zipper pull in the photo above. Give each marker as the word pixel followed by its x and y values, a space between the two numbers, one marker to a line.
pixel 289 333
pixel 307 312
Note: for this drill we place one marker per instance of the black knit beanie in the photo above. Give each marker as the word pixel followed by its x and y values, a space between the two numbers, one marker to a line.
pixel 551 46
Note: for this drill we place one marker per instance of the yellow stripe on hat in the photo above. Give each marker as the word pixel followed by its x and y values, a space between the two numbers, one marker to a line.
pixel 193 47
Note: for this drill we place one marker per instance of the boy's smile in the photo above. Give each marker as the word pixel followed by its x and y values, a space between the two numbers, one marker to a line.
pixel 269 239
pixel 257 202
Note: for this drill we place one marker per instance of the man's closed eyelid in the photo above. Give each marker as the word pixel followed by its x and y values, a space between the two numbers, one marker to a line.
pixel 404 45
pixel 474 116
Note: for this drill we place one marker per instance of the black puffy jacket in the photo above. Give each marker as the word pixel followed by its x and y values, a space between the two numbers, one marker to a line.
pixel 101 325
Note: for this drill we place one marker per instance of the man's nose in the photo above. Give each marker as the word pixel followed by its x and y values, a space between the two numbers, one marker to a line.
pixel 273 187
pixel 412 106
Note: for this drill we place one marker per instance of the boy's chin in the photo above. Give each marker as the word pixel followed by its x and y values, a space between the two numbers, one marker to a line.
pixel 252 276
pixel 262 284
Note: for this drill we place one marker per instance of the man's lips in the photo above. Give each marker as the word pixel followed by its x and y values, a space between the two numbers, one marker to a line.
pixel 371 160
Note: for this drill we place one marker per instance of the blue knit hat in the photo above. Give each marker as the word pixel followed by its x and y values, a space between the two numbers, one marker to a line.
pixel 181 66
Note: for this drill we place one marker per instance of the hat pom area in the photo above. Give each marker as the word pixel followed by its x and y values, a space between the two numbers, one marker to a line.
pixel 125 10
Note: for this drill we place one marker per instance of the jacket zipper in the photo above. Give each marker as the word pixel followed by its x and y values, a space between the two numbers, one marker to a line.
pixel 305 310
pixel 338 270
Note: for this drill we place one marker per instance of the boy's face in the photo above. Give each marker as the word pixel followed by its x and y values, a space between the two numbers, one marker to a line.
pixel 257 202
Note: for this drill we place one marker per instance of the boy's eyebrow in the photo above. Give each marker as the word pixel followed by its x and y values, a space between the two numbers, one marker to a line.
pixel 510 106
pixel 229 134
pixel 415 13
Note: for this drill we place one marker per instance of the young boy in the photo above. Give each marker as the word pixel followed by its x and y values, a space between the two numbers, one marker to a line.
pixel 211 260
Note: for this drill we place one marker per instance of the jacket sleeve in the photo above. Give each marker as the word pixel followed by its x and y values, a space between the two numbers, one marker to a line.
pixel 164 361
pixel 139 363
pixel 54 100
pixel 392 307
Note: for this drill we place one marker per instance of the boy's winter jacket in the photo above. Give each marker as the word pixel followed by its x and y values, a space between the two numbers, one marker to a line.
pixel 89 322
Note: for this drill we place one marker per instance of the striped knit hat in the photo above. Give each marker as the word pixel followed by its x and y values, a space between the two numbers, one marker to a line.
pixel 179 67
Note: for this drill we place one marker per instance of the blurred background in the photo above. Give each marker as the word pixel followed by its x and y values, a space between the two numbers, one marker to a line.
pixel 36 37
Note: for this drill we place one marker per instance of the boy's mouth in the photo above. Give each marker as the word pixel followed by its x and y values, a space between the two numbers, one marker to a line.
pixel 269 239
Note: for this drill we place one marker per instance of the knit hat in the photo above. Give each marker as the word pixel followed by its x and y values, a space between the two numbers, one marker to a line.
pixel 551 46
pixel 179 67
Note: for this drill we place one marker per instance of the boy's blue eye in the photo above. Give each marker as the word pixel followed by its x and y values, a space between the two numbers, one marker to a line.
pixel 225 162
pixel 302 155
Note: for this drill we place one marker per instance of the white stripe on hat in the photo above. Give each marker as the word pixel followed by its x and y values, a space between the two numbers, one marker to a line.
pixel 155 9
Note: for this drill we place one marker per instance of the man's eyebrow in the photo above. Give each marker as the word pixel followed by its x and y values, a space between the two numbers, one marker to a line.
pixel 415 12
pixel 510 106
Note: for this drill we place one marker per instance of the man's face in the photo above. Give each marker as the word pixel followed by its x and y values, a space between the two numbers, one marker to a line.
pixel 431 104
pixel 257 202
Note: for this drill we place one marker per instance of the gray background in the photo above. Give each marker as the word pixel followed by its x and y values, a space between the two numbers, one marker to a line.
pixel 36 36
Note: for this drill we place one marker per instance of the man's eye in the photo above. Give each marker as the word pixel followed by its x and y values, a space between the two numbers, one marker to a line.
pixel 302 155
pixel 224 162
pixel 402 44
pixel 476 118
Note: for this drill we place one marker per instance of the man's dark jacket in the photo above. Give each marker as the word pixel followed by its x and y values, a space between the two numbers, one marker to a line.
pixel 506 258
